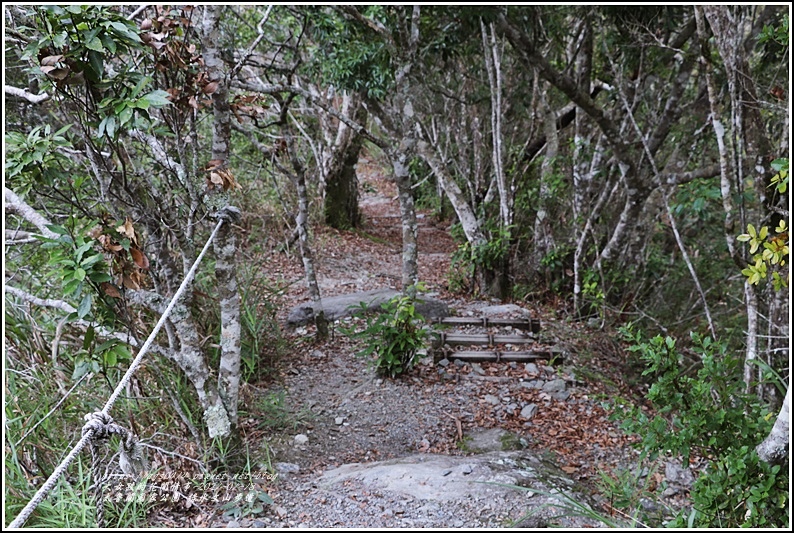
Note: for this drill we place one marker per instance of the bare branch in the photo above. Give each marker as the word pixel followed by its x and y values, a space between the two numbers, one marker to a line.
pixel 137 12
pixel 15 204
pixel 26 95
pixel 260 35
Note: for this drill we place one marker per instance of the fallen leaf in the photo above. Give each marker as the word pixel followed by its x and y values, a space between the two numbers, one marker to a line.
pixel 569 469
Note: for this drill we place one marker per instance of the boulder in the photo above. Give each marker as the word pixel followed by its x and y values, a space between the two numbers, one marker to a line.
pixel 349 304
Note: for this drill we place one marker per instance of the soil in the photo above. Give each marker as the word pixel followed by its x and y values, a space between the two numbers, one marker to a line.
pixel 330 409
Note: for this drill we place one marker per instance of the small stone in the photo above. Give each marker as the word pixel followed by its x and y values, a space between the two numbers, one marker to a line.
pixel 466 469
pixel 378 382
pixel 562 395
pixel 300 439
pixel 457 523
pixel 233 523
pixel 555 385
pixel 318 354
pixel 458 363
pixel 670 491
pixel 531 368
pixel 259 523
pixel 477 369
pixel 529 411
pixel 339 420
pixel 490 398
pixel 287 468
pixel 446 472
pixel 280 511
pixel 534 384
pixel 444 362
pixel 513 365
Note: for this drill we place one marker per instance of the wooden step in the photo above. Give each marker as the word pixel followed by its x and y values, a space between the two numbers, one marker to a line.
pixel 526 324
pixel 485 339
pixel 555 356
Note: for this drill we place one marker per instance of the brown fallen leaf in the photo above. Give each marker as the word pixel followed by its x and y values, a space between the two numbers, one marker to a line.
pixel 110 289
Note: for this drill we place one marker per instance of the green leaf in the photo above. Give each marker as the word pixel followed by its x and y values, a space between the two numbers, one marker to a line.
pixel 60 230
pixel 71 286
pixel 79 274
pixel 158 98
pixel 90 333
pixel 85 306
pixel 95 44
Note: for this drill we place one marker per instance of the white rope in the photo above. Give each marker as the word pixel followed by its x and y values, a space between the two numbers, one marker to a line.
pixel 88 433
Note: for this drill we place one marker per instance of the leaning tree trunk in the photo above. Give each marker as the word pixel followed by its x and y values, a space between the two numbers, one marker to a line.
pixel 543 236
pixel 774 449
pixel 298 177
pixel 224 245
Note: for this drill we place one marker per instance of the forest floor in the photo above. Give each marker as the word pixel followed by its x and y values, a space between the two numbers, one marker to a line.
pixel 330 409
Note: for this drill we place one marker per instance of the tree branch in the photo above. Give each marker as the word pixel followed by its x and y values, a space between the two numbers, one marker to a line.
pixel 15 204
pixel 26 95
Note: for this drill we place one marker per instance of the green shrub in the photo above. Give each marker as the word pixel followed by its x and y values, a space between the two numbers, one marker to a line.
pixel 709 414
pixel 394 335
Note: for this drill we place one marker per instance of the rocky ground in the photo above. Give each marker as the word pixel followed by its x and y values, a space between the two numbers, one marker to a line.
pixel 355 450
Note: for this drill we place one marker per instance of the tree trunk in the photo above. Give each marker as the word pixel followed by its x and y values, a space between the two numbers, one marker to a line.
pixel 410 272
pixel 339 169
pixel 543 236
pixel 224 245
pixel 302 222
pixel 775 448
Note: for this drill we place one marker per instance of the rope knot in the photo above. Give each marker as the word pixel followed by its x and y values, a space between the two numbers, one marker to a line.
pixel 229 214
pixel 99 423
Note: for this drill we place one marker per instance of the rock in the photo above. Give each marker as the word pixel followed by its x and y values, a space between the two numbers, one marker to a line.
pixel 446 472
pixel 458 363
pixel 562 395
pixel 675 473
pixel 349 304
pixel 318 354
pixel 259 524
pixel 300 439
pixel 490 398
pixel 286 468
pixel 280 511
pixel 339 420
pixel 531 368
pixel 443 362
pixel 504 309
pixel 555 385
pixel 233 523
pixel 491 440
pixel 466 470
pixel 529 411
pixel 477 369
pixel 534 384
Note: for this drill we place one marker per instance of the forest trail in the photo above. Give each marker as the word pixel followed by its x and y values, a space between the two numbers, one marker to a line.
pixel 341 413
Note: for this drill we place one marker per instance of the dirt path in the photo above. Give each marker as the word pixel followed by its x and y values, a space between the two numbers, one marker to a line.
pixel 341 413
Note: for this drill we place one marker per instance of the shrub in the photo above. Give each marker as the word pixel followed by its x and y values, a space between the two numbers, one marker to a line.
pixel 709 414
pixel 394 335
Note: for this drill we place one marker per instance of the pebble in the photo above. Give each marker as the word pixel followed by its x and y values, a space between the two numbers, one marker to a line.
pixel 444 362
pixel 531 368
pixel 339 420
pixel 477 369
pixel 300 439
pixel 466 469
pixel 287 468
pixel 490 398
pixel 555 385
pixel 529 411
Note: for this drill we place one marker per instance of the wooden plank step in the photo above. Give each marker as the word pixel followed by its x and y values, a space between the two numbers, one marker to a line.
pixel 527 324
pixel 495 355
pixel 485 339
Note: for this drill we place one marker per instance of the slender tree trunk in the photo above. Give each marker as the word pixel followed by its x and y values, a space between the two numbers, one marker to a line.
pixel 543 236
pixel 410 272
pixel 298 177
pixel 224 245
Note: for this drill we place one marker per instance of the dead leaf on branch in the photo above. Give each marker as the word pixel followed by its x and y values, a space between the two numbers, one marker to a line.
pixel 139 258
pixel 128 231
pixel 222 178
pixel 110 289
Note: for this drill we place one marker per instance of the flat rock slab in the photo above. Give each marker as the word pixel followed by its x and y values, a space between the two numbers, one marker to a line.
pixel 349 304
